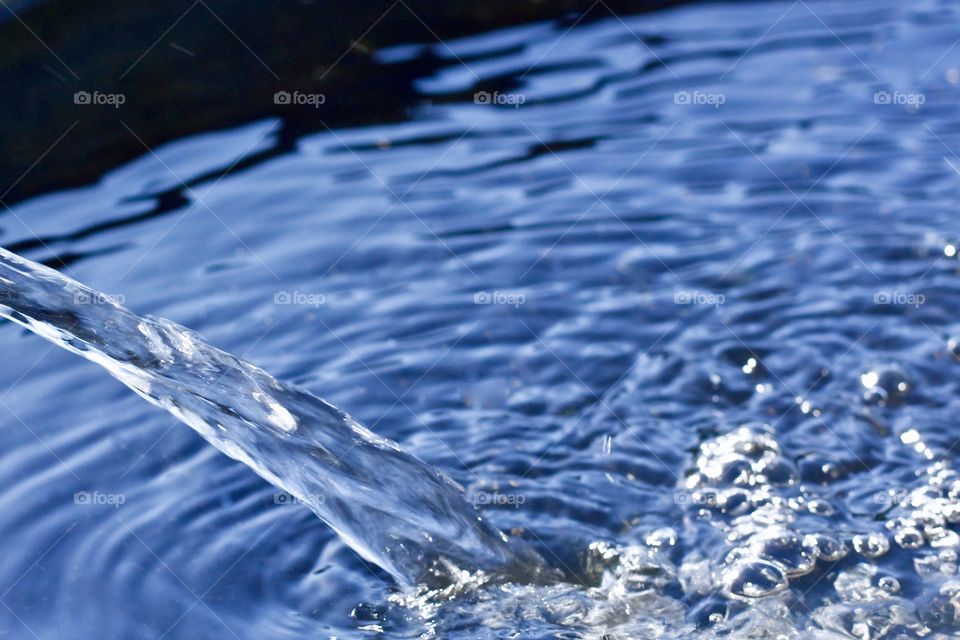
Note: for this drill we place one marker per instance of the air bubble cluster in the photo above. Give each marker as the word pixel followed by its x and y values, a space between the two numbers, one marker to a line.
pixel 926 515
pixel 744 485
pixel 776 530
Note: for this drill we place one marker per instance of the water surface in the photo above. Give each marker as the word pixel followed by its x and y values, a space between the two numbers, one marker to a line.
pixel 684 320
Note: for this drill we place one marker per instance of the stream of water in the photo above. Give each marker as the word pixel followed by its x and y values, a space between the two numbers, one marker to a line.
pixel 391 508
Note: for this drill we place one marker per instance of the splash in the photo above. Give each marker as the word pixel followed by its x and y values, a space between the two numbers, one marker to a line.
pixel 390 507
pixel 761 554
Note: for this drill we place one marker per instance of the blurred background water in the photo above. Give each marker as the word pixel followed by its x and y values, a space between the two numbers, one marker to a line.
pixel 564 259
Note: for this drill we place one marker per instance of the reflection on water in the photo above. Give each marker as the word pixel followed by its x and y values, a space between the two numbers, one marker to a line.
pixel 684 320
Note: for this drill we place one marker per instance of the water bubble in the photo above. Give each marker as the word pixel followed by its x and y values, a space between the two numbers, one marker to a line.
pixel 909 538
pixel 776 471
pixel 940 537
pixel 953 490
pixel 928 516
pixel 942 612
pixel 755 579
pixel 728 468
pixel 820 507
pixel 797 556
pixel 816 469
pixel 871 545
pixel 663 537
pixel 932 565
pixel 953 346
pixel 752 443
pixel 862 583
pixel 885 385
pixel 829 548
pixel 889 584
pixel 733 502
pixel 951 512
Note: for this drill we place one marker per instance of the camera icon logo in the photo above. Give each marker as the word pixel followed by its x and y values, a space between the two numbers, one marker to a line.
pixel 282 97
pixel 681 97
pixel 82 97
pixel 482 97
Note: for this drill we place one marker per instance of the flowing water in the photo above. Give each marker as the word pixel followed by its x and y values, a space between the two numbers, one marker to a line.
pixel 387 505
pixel 675 301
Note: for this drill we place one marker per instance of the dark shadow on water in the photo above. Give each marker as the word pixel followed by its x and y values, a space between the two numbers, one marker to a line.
pixel 184 67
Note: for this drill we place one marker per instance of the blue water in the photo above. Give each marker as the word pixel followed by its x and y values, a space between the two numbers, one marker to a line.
pixel 696 220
